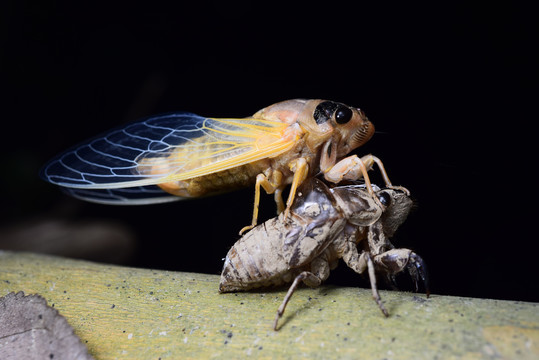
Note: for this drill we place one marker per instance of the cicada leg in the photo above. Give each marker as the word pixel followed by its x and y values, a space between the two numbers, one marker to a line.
pixel 370 160
pixel 308 278
pixel 396 260
pixel 279 200
pixel 351 168
pixel 374 288
pixel 300 169
pixel 273 186
pixel 360 263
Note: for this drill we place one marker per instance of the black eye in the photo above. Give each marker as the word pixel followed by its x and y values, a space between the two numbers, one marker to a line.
pixel 385 199
pixel 323 111
pixel 343 115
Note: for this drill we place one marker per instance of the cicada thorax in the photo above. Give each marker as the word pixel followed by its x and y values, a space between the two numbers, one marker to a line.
pixel 321 121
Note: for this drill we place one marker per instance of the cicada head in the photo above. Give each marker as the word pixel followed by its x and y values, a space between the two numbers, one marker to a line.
pixel 351 127
pixel 397 207
pixel 322 120
pixel 360 208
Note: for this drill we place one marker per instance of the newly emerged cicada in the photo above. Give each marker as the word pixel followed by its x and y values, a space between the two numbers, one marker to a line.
pixel 351 222
pixel 187 155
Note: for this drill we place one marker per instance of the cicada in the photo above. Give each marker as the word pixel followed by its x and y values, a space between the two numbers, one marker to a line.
pixel 351 222
pixel 183 155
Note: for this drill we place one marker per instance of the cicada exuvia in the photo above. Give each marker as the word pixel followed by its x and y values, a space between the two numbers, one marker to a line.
pixel 350 222
pixel 183 155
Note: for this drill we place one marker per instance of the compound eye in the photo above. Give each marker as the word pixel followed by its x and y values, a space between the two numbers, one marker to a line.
pixel 343 115
pixel 323 111
pixel 385 199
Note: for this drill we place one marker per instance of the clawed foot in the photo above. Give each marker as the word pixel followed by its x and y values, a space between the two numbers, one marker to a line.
pixel 417 269
pixel 395 261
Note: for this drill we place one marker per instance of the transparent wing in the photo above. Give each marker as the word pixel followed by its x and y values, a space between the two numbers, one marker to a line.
pixel 138 195
pixel 165 148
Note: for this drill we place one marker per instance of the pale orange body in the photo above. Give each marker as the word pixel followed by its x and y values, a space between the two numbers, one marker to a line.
pixel 188 155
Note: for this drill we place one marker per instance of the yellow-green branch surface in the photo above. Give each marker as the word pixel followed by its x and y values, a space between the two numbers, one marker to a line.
pixel 128 313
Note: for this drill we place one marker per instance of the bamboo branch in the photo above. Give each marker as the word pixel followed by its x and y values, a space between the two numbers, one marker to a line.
pixel 127 313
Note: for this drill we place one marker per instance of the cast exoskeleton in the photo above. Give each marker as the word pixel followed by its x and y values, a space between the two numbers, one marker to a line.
pixel 324 225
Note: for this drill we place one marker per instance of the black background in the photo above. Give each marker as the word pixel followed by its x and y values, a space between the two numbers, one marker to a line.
pixel 449 89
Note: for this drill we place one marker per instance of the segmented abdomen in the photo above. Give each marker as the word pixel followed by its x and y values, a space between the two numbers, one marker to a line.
pixel 256 259
pixel 222 181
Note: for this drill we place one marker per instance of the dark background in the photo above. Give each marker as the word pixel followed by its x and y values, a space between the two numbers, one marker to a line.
pixel 449 89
